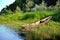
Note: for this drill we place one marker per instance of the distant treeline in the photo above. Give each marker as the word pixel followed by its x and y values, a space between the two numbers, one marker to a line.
pixel 23 4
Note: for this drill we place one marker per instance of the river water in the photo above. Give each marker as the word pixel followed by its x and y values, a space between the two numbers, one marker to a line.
pixel 8 34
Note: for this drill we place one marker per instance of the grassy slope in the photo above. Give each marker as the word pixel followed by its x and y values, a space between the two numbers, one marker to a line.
pixel 17 19
pixel 24 17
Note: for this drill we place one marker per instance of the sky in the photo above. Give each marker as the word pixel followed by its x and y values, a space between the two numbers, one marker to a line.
pixel 4 3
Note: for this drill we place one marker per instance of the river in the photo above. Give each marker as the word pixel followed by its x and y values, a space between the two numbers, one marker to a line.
pixel 9 34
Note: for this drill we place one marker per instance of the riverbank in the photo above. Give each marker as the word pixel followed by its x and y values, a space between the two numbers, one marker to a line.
pixel 45 31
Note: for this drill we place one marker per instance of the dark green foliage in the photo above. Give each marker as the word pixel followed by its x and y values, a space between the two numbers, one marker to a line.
pixel 37 1
pixel 51 2
pixel 3 11
pixel 56 16
pixel 27 16
pixel 12 7
pixel 22 4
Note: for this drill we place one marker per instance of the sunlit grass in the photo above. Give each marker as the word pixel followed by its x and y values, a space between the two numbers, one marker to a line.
pixel 50 29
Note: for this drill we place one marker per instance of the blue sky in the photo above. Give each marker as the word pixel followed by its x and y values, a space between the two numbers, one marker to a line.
pixel 3 3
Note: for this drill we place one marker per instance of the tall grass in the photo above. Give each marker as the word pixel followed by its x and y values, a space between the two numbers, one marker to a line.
pixel 56 16
pixel 48 31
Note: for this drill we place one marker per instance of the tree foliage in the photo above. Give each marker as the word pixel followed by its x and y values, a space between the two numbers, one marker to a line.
pixel 30 3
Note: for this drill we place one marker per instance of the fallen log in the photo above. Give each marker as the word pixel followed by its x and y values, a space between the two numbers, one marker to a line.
pixel 43 21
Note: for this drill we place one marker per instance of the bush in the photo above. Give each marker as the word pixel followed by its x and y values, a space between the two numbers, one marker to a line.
pixel 27 16
pixel 56 16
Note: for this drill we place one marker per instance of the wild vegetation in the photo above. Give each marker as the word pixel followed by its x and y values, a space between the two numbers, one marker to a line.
pixel 16 18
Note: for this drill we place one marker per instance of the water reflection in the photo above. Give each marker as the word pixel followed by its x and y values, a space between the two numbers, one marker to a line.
pixel 8 34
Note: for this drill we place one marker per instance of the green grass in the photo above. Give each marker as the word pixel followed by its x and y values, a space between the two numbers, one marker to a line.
pixel 21 17
pixel 45 31
pixel 51 29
